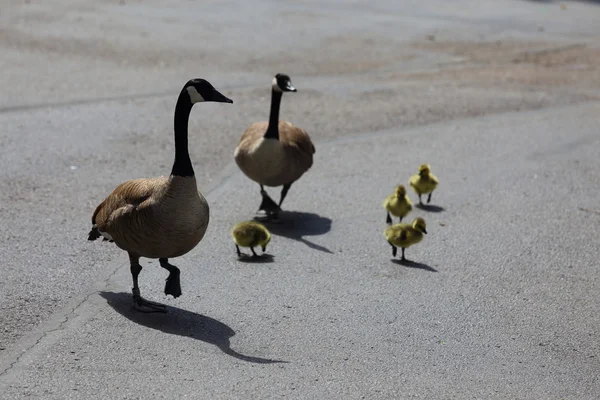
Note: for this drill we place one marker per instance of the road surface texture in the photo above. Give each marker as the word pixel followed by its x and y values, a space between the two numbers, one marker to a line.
pixel 500 300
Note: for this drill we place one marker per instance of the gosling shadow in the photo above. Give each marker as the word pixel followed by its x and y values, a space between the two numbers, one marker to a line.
pixel 430 208
pixel 263 258
pixel 295 225
pixel 182 323
pixel 414 264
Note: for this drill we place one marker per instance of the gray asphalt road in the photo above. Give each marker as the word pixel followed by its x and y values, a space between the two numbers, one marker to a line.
pixel 501 99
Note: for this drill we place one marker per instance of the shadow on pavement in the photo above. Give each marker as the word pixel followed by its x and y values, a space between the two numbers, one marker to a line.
pixel 295 225
pixel 414 264
pixel 430 208
pixel 183 323
pixel 263 258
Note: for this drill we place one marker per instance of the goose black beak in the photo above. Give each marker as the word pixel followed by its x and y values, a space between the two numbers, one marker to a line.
pixel 219 97
pixel 290 88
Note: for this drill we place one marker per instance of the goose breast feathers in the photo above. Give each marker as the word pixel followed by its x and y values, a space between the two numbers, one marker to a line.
pixel 274 162
pixel 156 218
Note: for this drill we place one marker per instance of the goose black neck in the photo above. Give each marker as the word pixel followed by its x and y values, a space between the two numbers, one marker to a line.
pixel 182 165
pixel 273 129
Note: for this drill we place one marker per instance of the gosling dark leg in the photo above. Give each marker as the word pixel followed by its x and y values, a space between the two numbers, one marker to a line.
pixel 401 219
pixel 420 202
pixel 403 259
pixel 429 197
pixel 253 252
pixel 394 250
pixel 284 192
pixel 237 248
pixel 388 220
pixel 139 303
pixel 173 286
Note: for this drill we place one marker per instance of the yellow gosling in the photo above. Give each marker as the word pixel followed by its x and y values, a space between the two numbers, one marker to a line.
pixel 424 182
pixel 405 235
pixel 398 204
pixel 250 234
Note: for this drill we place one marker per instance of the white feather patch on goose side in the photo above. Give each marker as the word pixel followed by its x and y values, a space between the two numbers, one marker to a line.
pixel 106 235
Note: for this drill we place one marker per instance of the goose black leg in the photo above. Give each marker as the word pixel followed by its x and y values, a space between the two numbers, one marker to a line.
pixel 394 250
pixel 403 259
pixel 172 287
pixel 284 192
pixel 139 303
pixel 237 248
pixel 429 197
pixel 389 219
pixel 268 205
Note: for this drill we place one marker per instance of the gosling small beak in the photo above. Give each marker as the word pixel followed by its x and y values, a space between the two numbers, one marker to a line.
pixel 264 248
pixel 425 231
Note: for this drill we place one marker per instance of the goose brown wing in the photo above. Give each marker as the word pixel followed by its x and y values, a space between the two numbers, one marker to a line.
pixel 298 143
pixel 128 196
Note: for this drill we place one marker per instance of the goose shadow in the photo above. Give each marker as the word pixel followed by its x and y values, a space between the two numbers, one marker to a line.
pixel 182 323
pixel 414 264
pixel 295 225
pixel 263 258
pixel 430 208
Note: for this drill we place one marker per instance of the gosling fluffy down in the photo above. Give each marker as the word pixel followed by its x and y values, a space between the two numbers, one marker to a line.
pixel 398 204
pixel 405 235
pixel 250 234
pixel 424 182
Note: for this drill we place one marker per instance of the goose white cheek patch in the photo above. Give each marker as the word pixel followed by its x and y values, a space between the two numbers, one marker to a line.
pixel 276 85
pixel 195 97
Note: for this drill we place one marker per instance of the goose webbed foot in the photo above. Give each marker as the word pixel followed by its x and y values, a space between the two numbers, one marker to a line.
pixel 268 209
pixel 142 305
pixel 173 285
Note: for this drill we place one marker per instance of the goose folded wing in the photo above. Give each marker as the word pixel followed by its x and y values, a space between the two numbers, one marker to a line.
pixel 126 198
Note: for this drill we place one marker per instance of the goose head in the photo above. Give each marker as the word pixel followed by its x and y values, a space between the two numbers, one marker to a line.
pixel 420 225
pixel 283 83
pixel 200 90
pixel 265 242
pixel 424 169
pixel 400 191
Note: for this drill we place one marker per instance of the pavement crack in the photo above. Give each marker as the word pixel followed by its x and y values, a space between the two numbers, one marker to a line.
pixel 60 325
pixel 589 211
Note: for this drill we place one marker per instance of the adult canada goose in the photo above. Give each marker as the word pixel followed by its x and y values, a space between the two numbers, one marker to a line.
pixel 274 153
pixel 161 217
